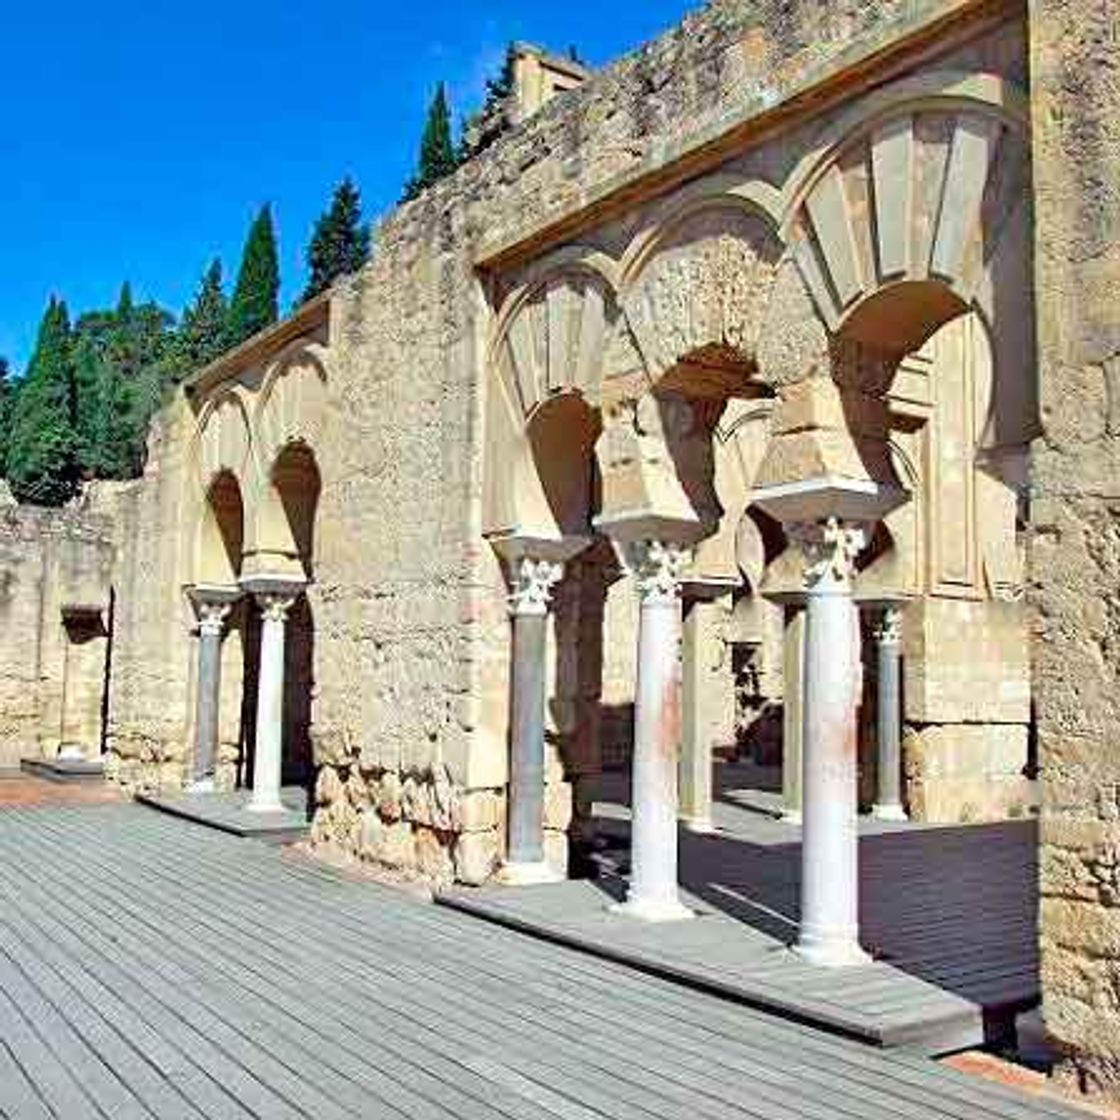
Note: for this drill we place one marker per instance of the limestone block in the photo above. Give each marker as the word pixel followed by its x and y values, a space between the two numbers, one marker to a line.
pixel 328 786
pixel 968 772
pixel 558 806
pixel 398 846
pixel 371 839
pixel 357 792
pixel 556 851
pixel 481 810
pixel 433 856
pixel 966 662
pixel 477 855
pixel 389 794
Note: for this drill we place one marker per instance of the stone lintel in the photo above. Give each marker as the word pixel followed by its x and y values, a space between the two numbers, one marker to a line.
pixel 646 525
pixel 815 499
pixel 513 546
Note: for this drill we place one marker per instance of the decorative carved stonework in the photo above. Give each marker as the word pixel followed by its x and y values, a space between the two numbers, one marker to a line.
pixel 657 567
pixel 531 585
pixel 704 287
pixel 888 628
pixel 211 618
pixel 829 549
pixel 275 607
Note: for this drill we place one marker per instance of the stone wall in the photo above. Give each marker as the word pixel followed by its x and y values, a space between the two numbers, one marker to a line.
pixel 1075 548
pixel 52 680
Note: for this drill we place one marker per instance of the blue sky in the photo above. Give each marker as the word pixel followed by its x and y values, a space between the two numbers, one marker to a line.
pixel 138 137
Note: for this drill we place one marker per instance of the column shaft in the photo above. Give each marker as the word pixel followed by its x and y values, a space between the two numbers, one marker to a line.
pixel 888 801
pixel 208 709
pixel 653 798
pixel 270 714
pixel 829 931
pixel 527 777
pixel 696 746
pixel 793 689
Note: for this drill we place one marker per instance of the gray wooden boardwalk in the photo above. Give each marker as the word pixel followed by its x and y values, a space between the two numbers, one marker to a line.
pixel 948 912
pixel 153 968
pixel 227 812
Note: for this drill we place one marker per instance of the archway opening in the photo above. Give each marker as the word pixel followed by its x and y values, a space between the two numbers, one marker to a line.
pixel 222 535
pixel 296 485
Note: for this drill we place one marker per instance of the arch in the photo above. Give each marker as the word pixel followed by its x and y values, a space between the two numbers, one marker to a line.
pixel 694 288
pixel 547 347
pixel 221 464
pixel 912 216
pixel 292 403
pixel 286 510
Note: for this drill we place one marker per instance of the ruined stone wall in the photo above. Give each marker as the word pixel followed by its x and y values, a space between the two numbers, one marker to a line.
pixel 149 711
pixel 1075 549
pixel 50 559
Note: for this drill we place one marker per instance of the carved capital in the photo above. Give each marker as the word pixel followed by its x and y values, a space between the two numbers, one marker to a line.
pixel 212 618
pixel 829 550
pixel 531 585
pixel 657 567
pixel 275 606
pixel 888 629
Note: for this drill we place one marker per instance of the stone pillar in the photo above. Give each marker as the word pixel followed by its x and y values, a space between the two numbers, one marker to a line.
pixel 656 566
pixel 529 598
pixel 701 616
pixel 829 931
pixel 211 605
pixel 888 638
pixel 275 595
pixel 793 689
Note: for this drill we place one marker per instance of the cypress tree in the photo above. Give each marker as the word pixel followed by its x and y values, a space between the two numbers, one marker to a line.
pixel 202 335
pixel 339 242
pixel 437 153
pixel 255 302
pixel 7 403
pixel 41 450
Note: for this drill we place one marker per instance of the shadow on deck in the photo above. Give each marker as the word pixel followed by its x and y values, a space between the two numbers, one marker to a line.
pixel 949 914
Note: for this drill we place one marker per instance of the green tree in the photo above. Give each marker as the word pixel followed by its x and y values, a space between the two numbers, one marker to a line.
pixel 340 240
pixel 437 153
pixel 41 459
pixel 118 356
pixel 7 404
pixel 255 303
pixel 202 334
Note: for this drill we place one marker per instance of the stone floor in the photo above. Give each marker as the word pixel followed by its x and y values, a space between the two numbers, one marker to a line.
pixel 151 967
pixel 20 788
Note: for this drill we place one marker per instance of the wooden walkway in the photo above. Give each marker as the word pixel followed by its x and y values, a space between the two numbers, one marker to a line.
pixel 153 968
pixel 949 914
pixel 227 812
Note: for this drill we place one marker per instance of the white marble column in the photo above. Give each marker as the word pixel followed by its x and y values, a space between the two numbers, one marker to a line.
pixel 829 930
pixel 212 606
pixel 701 618
pixel 530 593
pixel 888 777
pixel 793 710
pixel 656 567
pixel 275 597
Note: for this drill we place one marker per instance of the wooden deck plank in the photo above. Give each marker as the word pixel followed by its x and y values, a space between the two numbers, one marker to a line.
pixel 493 999
pixel 969 1113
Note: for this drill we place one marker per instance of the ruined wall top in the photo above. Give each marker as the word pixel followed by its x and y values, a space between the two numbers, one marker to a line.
pixel 676 106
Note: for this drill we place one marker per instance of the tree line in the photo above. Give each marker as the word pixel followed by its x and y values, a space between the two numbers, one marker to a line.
pixel 82 408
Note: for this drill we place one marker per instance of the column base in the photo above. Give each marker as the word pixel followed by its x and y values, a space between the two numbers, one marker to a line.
pixel 702 825
pixel 791 816
pixel 518 874
pixel 201 785
pixel 649 910
pixel 889 813
pixel 831 954
pixel 264 807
